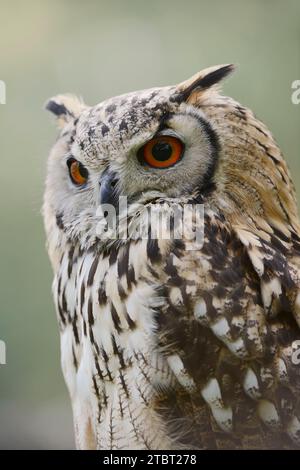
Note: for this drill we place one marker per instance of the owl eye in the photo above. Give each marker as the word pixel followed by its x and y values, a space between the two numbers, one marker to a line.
pixel 78 173
pixel 161 152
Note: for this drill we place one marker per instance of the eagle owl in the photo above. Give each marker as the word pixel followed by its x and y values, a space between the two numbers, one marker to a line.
pixel 166 343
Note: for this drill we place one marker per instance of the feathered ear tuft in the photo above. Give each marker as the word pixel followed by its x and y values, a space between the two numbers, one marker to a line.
pixel 65 108
pixel 202 81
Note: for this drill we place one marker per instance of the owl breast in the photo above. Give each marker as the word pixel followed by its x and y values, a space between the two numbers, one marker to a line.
pixel 108 345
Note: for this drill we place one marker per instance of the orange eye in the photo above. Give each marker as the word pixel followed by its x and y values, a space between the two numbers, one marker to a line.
pixel 78 173
pixel 162 152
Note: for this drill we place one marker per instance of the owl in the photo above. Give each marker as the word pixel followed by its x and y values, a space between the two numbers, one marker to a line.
pixel 168 342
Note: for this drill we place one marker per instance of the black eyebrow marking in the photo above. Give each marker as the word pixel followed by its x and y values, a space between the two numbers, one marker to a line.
pixel 163 122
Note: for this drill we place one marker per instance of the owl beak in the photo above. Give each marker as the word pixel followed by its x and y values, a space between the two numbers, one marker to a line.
pixel 109 192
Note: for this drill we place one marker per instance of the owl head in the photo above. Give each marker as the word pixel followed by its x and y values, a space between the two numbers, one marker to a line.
pixel 187 142
pixel 134 144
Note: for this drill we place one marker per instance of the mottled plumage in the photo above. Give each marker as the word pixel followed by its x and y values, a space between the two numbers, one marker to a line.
pixel 166 345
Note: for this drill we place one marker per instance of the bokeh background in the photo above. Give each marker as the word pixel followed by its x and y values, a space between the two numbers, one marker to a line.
pixel 97 49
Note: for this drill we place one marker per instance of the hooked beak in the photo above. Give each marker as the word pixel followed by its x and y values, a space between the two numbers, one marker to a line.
pixel 109 192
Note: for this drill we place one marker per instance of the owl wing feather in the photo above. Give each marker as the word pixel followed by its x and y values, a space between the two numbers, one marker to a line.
pixel 228 331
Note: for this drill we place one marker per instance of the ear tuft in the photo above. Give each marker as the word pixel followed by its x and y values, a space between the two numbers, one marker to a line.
pixel 203 80
pixel 65 108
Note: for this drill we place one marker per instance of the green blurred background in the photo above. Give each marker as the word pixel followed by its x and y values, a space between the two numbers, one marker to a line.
pixel 97 49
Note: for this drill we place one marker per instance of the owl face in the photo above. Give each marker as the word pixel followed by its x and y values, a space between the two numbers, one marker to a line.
pixel 184 142
pixel 133 145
